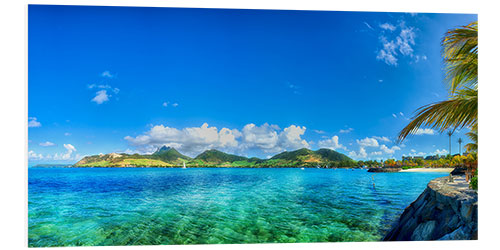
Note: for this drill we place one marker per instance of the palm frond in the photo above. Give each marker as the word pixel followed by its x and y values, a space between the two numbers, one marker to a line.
pixel 471 147
pixel 458 112
pixel 460 47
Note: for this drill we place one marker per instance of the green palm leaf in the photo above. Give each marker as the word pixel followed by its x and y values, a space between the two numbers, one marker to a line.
pixel 460 48
pixel 460 110
pixel 472 147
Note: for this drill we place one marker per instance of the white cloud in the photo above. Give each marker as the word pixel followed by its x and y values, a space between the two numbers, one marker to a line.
pixel 290 138
pixel 131 152
pixel 382 138
pixel 33 123
pixel 191 140
pixel 424 131
pixel 46 144
pixel 194 140
pixel 405 40
pixel 319 131
pixel 376 153
pixel 104 86
pixel 368 142
pixel 267 138
pixel 67 156
pixel 34 156
pixel 440 152
pixel 398 45
pixel 101 97
pixel 388 26
pixel 418 154
pixel 418 58
pixel 387 150
pixel 67 134
pixel 263 137
pixel 388 53
pixel 69 147
pixel 165 104
pixel 107 74
pixel 332 143
pixel 400 114
pixel 437 152
pixel 380 80
pixel 346 130
pixel 358 155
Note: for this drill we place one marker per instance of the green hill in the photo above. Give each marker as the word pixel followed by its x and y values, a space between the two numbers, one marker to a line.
pixel 168 154
pixel 214 156
pixel 121 160
pixel 332 155
pixel 307 157
pixel 170 157
pixel 294 155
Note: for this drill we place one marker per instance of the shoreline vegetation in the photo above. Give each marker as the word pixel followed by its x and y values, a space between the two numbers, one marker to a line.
pixel 445 170
pixel 167 157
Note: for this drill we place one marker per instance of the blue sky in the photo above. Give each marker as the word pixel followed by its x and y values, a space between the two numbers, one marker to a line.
pixel 250 82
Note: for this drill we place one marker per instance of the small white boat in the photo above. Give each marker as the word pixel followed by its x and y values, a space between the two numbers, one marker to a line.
pixel 301 168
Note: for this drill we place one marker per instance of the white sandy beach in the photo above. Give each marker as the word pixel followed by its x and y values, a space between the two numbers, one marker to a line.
pixel 447 170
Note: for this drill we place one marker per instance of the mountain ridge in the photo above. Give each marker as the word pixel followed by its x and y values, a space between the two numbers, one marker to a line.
pixel 169 157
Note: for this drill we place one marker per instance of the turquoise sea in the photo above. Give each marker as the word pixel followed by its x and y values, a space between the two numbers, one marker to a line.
pixel 151 206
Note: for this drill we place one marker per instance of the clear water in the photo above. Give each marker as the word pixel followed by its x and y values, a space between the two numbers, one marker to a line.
pixel 140 206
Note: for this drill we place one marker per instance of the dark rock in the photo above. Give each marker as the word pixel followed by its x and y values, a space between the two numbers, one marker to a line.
pixel 385 170
pixel 458 234
pixel 424 230
pixel 445 211
pixel 458 171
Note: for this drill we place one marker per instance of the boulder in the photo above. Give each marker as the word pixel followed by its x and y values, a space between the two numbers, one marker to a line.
pixel 424 230
pixel 445 211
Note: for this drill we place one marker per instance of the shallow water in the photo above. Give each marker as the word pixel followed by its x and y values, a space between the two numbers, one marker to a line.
pixel 141 206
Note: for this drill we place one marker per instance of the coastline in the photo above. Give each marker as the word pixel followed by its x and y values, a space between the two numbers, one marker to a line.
pixel 445 170
pixel 444 211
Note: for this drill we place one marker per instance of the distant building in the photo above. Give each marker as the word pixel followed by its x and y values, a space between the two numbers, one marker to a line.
pixel 407 158
pixel 432 157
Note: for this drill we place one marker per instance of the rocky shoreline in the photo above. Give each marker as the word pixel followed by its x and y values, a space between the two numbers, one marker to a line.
pixel 444 211
pixel 385 170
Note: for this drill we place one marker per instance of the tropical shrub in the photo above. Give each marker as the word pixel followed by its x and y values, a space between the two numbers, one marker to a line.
pixel 473 183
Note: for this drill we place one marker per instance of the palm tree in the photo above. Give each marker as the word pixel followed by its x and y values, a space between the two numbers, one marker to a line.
pixel 449 133
pixel 460 110
pixel 472 147
pixel 460 145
